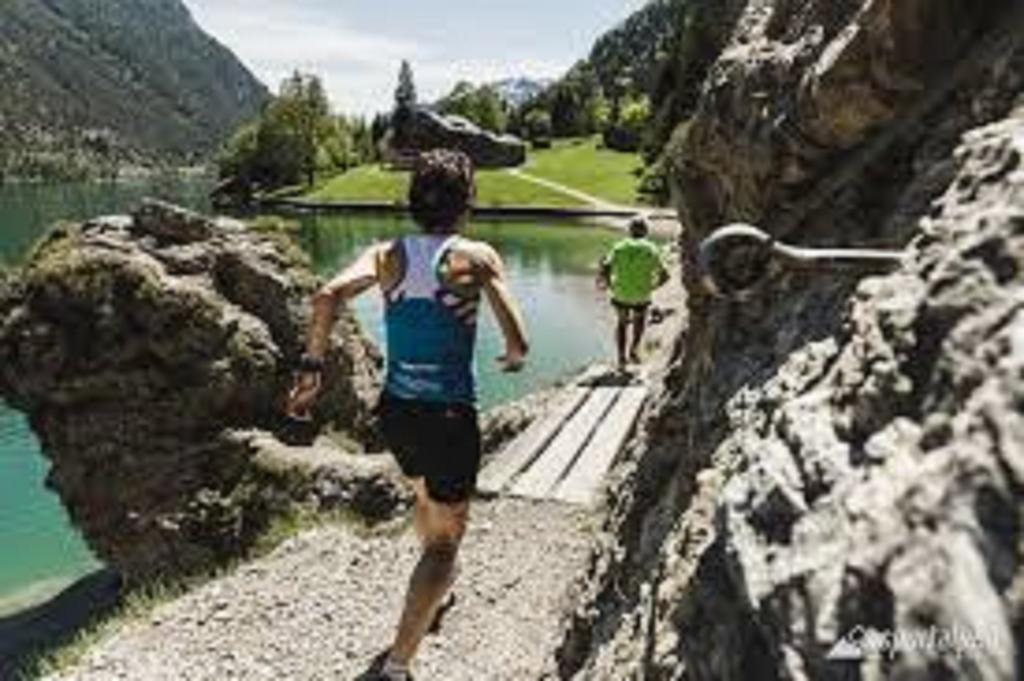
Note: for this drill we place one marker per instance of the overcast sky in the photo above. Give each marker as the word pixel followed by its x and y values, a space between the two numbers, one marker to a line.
pixel 357 45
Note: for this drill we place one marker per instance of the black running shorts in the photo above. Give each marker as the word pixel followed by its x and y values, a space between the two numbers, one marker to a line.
pixel 631 309
pixel 437 442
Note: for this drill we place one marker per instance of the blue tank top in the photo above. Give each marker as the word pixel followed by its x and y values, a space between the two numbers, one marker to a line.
pixel 431 328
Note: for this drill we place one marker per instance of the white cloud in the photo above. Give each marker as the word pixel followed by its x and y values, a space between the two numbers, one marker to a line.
pixel 271 34
pixel 359 68
pixel 274 40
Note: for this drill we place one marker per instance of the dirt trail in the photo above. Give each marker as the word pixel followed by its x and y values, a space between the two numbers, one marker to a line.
pixel 325 602
pixel 665 221
pixel 595 201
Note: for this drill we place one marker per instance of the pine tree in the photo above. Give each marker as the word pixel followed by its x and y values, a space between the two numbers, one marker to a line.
pixel 405 103
pixel 405 94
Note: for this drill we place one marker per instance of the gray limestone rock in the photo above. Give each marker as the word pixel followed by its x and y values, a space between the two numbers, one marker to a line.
pixel 866 435
pixel 138 347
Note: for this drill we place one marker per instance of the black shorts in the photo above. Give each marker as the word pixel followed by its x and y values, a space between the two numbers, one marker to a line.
pixel 631 309
pixel 437 442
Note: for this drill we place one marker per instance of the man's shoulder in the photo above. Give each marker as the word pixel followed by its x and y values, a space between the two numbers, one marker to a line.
pixel 621 245
pixel 479 253
pixel 633 245
pixel 643 245
pixel 383 250
pixel 474 247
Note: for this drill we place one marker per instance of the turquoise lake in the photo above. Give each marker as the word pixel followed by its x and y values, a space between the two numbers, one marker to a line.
pixel 551 267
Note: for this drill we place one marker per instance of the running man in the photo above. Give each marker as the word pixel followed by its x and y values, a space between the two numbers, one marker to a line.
pixel 431 284
pixel 633 270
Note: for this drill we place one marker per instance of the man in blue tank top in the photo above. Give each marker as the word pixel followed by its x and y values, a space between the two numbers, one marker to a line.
pixel 432 284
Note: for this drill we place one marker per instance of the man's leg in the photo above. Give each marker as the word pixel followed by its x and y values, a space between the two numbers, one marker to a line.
pixel 441 527
pixel 639 327
pixel 420 519
pixel 621 332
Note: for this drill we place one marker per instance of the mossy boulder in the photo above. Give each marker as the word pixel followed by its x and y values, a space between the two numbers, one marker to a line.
pixel 140 347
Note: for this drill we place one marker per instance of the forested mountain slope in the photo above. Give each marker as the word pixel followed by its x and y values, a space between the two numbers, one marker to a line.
pixel 631 50
pixel 135 75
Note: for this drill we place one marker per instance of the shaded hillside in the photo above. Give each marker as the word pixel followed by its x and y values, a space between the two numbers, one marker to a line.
pixel 134 75
pixel 631 51
pixel 598 92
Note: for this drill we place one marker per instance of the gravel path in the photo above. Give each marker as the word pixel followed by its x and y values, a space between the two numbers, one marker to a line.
pixel 325 602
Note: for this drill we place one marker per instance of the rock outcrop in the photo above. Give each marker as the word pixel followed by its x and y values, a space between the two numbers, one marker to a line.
pixel 429 130
pixel 152 354
pixel 836 459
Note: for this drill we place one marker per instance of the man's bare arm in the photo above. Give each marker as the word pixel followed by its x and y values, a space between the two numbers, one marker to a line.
pixel 354 280
pixel 604 273
pixel 491 272
pixel 357 278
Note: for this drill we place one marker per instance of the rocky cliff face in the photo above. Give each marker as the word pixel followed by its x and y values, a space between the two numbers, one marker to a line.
pixel 836 458
pixel 152 354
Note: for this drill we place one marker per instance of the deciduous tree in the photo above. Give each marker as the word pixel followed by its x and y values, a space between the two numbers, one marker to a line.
pixel 295 138
pixel 481 105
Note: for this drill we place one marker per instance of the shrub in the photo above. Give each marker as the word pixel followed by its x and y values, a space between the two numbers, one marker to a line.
pixel 627 134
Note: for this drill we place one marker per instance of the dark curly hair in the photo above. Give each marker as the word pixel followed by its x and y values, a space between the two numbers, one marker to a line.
pixel 442 190
pixel 639 227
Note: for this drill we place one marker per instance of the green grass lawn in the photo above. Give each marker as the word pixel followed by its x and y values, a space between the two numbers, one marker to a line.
pixel 495 188
pixel 500 189
pixel 580 164
pixel 364 183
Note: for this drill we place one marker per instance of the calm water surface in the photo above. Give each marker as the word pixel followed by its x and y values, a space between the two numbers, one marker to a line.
pixel 551 269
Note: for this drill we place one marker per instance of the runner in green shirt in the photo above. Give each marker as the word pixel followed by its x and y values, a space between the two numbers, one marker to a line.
pixel 633 269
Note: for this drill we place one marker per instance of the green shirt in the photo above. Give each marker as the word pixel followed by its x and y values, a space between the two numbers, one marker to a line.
pixel 635 266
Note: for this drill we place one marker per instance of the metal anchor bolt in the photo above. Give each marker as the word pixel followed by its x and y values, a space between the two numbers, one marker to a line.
pixel 736 259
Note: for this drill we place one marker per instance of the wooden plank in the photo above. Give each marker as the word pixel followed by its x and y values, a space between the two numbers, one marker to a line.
pixel 582 483
pixel 522 451
pixel 540 479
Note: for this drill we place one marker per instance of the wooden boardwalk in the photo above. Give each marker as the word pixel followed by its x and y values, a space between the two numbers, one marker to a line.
pixel 566 454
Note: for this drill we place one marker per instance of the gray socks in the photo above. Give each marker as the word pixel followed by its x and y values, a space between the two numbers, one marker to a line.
pixel 395 671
